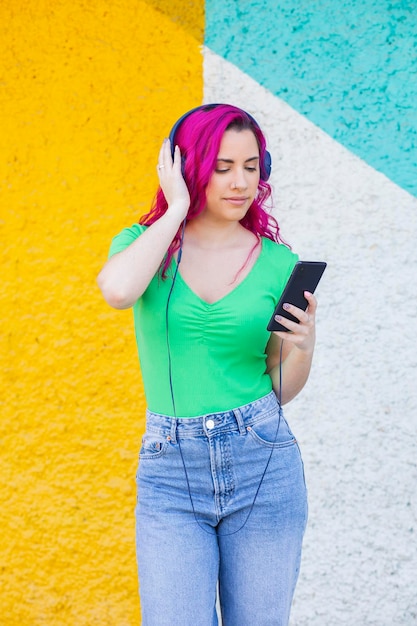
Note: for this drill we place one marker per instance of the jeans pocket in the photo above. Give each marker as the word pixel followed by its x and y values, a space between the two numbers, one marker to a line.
pixel 153 446
pixel 272 431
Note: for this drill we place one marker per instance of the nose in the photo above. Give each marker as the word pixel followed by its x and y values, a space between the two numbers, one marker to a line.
pixel 240 181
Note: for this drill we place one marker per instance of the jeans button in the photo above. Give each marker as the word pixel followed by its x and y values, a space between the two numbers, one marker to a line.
pixel 210 424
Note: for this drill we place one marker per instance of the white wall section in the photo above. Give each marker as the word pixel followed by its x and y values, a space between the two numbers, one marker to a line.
pixel 356 418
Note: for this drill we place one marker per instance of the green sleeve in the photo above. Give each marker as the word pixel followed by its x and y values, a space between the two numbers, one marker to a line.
pixel 125 238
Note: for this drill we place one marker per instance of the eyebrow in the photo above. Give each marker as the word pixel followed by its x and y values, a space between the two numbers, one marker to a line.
pixel 254 158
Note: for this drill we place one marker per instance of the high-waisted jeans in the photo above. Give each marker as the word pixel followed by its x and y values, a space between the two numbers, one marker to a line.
pixel 221 499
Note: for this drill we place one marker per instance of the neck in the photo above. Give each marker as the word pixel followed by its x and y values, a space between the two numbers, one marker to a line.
pixel 214 234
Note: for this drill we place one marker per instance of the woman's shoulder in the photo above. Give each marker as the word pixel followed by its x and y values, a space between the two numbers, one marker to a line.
pixel 126 236
pixel 277 259
pixel 278 252
pixel 277 263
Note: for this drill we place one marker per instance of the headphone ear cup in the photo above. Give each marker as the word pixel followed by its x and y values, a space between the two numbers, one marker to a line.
pixel 266 166
pixel 172 142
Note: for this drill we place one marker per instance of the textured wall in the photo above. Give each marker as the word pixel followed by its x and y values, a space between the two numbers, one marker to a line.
pixel 356 418
pixel 88 91
pixel 350 68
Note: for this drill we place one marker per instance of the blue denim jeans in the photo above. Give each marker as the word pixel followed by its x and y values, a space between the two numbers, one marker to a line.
pixel 221 498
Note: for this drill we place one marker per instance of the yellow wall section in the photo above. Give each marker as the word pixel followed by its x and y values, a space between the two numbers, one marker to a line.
pixel 88 90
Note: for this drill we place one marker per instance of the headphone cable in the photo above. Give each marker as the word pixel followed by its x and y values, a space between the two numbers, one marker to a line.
pixel 175 412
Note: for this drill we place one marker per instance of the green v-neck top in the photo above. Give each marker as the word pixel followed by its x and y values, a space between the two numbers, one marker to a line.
pixel 218 358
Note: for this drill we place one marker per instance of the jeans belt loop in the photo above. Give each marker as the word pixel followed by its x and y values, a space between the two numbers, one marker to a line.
pixel 239 420
pixel 173 430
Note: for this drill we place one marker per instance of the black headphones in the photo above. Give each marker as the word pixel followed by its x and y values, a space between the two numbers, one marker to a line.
pixel 266 165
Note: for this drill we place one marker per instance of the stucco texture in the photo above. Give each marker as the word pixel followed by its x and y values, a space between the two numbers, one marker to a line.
pixel 88 91
pixel 355 420
pixel 349 67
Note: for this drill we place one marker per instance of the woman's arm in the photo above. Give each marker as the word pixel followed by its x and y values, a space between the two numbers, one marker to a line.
pixel 127 274
pixel 297 351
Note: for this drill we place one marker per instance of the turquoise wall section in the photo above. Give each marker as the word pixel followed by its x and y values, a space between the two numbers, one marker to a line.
pixel 349 66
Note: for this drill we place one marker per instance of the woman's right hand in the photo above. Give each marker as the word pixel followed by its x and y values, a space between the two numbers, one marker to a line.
pixel 172 181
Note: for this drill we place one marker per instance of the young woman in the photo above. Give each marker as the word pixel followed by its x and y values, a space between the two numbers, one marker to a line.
pixel 221 492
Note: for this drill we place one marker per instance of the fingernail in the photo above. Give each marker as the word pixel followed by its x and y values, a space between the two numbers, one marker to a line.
pixel 278 318
pixel 286 306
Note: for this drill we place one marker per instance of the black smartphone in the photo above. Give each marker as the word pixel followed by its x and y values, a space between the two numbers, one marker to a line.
pixel 305 277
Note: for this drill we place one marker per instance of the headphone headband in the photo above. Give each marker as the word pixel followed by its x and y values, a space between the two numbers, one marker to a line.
pixel 265 165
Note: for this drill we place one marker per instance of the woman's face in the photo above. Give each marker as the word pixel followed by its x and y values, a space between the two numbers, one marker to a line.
pixel 234 183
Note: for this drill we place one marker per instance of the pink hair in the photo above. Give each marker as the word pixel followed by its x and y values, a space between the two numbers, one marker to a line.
pixel 199 136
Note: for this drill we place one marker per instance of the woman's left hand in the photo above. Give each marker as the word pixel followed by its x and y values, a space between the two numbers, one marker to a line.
pixel 303 334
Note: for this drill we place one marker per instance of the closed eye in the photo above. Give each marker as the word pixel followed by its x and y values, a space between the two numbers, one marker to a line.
pixel 222 170
pixel 251 165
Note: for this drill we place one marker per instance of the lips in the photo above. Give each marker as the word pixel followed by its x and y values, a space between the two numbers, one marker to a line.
pixel 237 200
